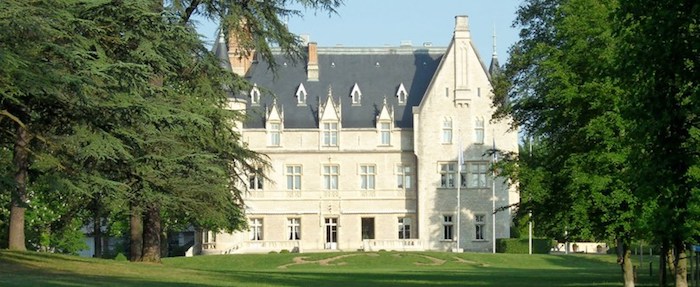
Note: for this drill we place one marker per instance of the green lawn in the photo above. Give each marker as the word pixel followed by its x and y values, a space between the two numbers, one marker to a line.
pixel 319 269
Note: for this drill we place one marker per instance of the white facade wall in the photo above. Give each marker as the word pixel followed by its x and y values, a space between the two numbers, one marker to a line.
pixel 460 92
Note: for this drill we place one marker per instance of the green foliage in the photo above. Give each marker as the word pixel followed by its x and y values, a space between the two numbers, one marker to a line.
pixel 558 86
pixel 120 257
pixel 662 81
pixel 521 245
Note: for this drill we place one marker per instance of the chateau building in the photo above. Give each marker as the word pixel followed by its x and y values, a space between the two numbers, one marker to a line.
pixel 371 149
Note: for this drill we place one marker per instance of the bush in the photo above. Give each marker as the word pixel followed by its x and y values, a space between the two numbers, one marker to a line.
pixel 120 257
pixel 284 251
pixel 272 252
pixel 520 245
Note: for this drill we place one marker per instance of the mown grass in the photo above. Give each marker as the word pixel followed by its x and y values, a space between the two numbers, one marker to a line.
pixel 353 269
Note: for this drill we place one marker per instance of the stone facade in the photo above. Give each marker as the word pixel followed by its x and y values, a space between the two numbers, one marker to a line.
pixel 364 148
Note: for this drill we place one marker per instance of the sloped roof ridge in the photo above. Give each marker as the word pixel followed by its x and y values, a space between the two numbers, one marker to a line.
pixel 376 50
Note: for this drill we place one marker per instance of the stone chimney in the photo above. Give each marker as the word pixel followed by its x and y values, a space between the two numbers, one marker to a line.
pixel 312 65
pixel 240 58
pixel 462 49
pixel 461 27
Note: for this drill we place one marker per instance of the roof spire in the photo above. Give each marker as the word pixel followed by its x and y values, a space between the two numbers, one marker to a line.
pixel 494 67
pixel 494 41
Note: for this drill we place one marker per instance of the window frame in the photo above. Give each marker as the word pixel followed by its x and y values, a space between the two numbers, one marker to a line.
pixel 294 228
pixel 274 133
pixel 478 176
pixel 368 179
pixel 255 95
pixel 448 227
pixel 256 180
pixel 479 227
pixel 479 131
pixel 404 224
pixel 447 131
pixel 295 176
pixel 404 177
pixel 256 228
pixel 330 176
pixel 330 132
pixel 448 171
pixel 385 133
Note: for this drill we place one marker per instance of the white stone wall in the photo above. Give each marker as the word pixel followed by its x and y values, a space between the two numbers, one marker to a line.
pixel 462 105
pixel 460 90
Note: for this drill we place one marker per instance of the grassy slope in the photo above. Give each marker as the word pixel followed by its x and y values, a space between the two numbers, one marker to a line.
pixel 357 269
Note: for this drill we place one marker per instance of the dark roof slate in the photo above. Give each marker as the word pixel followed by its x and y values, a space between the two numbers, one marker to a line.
pixel 378 74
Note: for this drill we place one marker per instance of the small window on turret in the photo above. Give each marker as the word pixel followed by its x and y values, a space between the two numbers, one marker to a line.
pixel 255 95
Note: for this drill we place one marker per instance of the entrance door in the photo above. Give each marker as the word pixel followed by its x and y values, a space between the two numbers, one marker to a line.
pixel 331 233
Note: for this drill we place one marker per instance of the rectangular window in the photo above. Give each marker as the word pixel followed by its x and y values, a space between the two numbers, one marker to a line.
pixel 367 173
pixel 404 228
pixel 256 229
pixel 463 175
pixel 403 177
pixel 447 226
pixel 447 175
pixel 330 134
pixel 330 177
pixel 477 174
pixel 385 132
pixel 367 228
pixel 274 133
pixel 479 131
pixel 294 228
pixel 447 131
pixel 255 180
pixel 293 177
pixel 479 226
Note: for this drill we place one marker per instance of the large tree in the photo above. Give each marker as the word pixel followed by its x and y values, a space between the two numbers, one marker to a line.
pixel 659 64
pixel 559 87
pixel 128 107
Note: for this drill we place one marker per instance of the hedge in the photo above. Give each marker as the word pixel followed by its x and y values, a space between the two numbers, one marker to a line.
pixel 520 245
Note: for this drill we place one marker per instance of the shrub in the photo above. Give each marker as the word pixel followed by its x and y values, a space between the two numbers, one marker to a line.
pixel 284 251
pixel 120 257
pixel 520 245
pixel 272 252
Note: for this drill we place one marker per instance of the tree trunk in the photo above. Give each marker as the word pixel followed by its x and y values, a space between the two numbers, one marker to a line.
pixel 135 233
pixel 151 234
pixel 164 246
pixel 670 260
pixel 16 240
pixel 680 264
pixel 662 264
pixel 97 230
pixel 627 268
pixel 624 258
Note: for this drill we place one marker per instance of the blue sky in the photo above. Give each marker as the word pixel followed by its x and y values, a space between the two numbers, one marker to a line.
pixel 377 23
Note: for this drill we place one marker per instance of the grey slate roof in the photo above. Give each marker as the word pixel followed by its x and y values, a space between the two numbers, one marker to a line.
pixel 341 68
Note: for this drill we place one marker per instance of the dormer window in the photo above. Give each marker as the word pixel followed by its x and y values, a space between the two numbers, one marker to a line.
pixel 255 95
pixel 274 133
pixel 330 134
pixel 401 94
pixel 356 95
pixel 301 95
pixel 385 133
